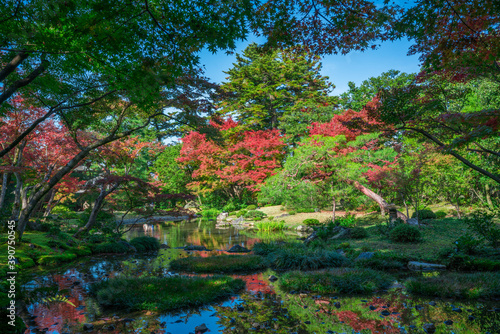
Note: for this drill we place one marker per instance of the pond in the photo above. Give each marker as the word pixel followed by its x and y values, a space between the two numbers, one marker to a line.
pixel 59 303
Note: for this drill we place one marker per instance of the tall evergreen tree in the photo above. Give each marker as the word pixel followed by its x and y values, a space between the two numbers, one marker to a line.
pixel 277 89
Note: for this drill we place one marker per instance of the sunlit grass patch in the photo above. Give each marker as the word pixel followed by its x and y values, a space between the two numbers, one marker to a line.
pixel 163 294
pixel 270 226
pixel 218 264
pixel 338 281
pixel 456 285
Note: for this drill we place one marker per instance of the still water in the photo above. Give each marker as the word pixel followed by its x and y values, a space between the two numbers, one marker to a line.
pixel 260 308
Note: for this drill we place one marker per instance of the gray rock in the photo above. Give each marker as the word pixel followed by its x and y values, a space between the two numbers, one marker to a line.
pixel 429 328
pixel 273 278
pixel 191 204
pixel 304 228
pixel 238 220
pixel 238 249
pixel 311 238
pixel 342 232
pixel 414 265
pixel 413 222
pixel 365 256
pixel 200 329
pixel 88 327
pixel 223 216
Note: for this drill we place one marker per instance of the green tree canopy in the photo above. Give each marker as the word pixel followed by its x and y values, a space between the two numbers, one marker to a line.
pixel 277 89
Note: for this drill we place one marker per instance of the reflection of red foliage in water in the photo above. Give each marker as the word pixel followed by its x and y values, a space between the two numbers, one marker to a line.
pixel 358 323
pixel 256 283
pixel 55 315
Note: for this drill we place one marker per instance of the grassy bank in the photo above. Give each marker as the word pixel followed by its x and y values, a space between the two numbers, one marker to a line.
pixel 336 281
pixel 163 294
pixel 218 264
pixel 456 285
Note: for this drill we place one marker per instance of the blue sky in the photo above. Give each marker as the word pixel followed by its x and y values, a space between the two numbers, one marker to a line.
pixel 355 66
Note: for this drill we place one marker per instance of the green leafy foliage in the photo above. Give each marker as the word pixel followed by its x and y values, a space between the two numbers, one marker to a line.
pixel 111 248
pixel 145 244
pixel 311 222
pixel 218 264
pixel 405 233
pixel 251 207
pixel 441 214
pixel 358 233
pixel 424 214
pixel 349 220
pixel 483 225
pixel 456 285
pixel 271 226
pixel 341 280
pixel 163 293
pixel 252 214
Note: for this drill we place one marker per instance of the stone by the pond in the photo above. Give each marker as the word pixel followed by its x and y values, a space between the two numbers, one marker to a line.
pixel 273 278
pixel 337 305
pixel 413 221
pixel 200 329
pixel 432 303
pixel 195 248
pixel 456 309
pixel 372 308
pixel 385 313
pixel 238 249
pixel 429 328
pixel 304 228
pixel 365 256
pixel 448 322
pixel 471 318
pixel 414 265
pixel 88 327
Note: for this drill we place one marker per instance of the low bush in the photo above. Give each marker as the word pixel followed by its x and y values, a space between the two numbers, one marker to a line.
pixel 456 285
pixel 110 247
pixel 292 213
pixel 346 221
pixel 441 214
pixel 467 244
pixel 305 210
pixel 271 226
pixel 217 264
pixel 459 261
pixel 210 213
pixel 424 214
pixel 255 214
pixel 145 244
pixel 482 224
pixel 229 207
pixel 358 233
pixel 163 293
pixel 311 222
pixel 270 218
pixel 251 207
pixel 304 259
pixel 339 280
pixel 405 233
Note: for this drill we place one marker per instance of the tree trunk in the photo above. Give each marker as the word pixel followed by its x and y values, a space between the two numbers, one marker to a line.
pixel 5 182
pixel 377 198
pixel 48 208
pixel 333 210
pixel 98 204
pixel 16 208
pixel 457 207
pixel 488 195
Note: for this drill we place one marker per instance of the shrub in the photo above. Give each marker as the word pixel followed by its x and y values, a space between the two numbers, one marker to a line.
pixel 311 222
pixel 217 264
pixel 255 214
pixel 257 219
pixel 358 233
pixel 291 213
pixel 270 218
pixel 468 244
pixel 110 247
pixel 387 227
pixel 304 259
pixel 266 248
pixel 424 214
pixel 270 226
pixel 241 213
pixel 145 244
pixel 339 280
pixel 163 293
pixel 347 221
pixel 251 207
pixel 210 213
pixel 484 227
pixel 456 285
pixel 465 262
pixel 233 213
pixel 405 233
pixel 440 214
pixel 229 207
